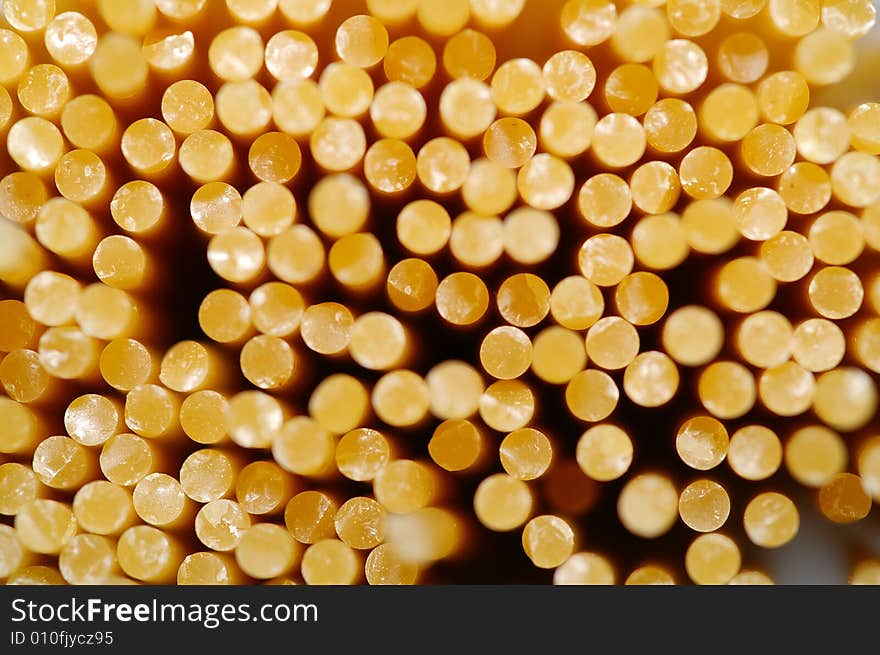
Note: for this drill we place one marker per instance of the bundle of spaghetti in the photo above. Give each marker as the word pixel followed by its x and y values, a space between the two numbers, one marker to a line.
pixel 411 291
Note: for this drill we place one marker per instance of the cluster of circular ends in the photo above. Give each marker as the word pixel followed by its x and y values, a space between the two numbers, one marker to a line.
pixel 300 295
